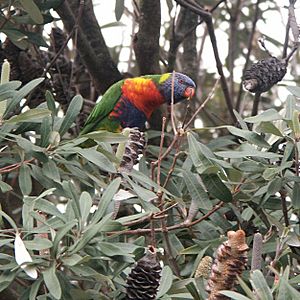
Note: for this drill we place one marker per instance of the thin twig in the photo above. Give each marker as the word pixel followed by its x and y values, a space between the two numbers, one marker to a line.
pixel 283 195
pixel 74 29
pixel 255 104
pixel 206 16
pixel 172 105
pixel 162 138
pixel 249 49
pixel 181 225
pixel 210 95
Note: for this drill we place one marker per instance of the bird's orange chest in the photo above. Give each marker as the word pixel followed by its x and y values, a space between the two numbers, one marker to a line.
pixel 143 94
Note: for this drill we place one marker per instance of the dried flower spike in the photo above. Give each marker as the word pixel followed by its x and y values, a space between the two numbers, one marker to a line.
pixel 204 267
pixel 143 280
pixel 261 76
pixel 133 148
pixel 230 262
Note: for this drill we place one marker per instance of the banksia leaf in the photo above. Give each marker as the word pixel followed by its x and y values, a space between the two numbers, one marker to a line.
pixel 143 280
pixel 133 148
pixel 230 262
pixel 261 76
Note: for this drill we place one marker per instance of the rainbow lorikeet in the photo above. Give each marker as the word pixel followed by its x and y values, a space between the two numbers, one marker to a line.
pixel 130 102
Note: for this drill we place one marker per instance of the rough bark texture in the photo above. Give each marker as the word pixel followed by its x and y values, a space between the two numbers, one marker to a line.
pixel 90 43
pixel 146 43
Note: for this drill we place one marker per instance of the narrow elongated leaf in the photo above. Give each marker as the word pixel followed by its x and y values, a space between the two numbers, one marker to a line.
pixel 245 153
pixel 234 295
pixel 250 136
pixel 216 187
pixel 98 159
pixel 25 182
pixel 90 232
pixel 3 105
pixel 196 190
pixel 26 89
pixel 60 234
pixel 51 170
pixel 296 195
pixel 266 116
pixel 71 114
pixel 34 289
pixel 260 285
pixel 268 127
pixel 22 257
pixel 52 281
pixel 119 9
pixel 33 10
pixel 107 196
pixel 85 204
pixel 31 115
pixel 106 137
pixel 166 281
pixel 200 159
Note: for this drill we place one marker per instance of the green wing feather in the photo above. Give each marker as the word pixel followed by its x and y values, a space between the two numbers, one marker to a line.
pixel 103 108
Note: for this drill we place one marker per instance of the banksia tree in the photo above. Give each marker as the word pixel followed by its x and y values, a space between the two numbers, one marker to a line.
pixel 261 76
pixel 143 280
pixel 230 262
pixel 133 148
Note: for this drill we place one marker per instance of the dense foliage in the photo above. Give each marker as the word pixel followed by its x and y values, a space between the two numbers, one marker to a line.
pixel 73 224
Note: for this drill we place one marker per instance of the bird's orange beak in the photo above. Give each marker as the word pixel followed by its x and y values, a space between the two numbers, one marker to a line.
pixel 189 92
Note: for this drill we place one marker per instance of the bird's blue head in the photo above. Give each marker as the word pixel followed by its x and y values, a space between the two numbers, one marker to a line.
pixel 184 87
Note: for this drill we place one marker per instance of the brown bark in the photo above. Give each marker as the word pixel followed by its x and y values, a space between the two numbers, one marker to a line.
pixel 146 43
pixel 90 43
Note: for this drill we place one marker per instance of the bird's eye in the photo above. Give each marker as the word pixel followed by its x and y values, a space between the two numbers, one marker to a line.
pixel 180 81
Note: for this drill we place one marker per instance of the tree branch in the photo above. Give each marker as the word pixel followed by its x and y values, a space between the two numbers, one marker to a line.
pixel 146 42
pixel 90 43
pixel 249 48
pixel 207 18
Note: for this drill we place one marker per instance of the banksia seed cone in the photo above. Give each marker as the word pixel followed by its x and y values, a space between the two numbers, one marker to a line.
pixel 264 74
pixel 133 148
pixel 230 262
pixel 143 280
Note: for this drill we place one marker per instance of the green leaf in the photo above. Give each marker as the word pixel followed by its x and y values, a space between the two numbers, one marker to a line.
pixel 97 158
pixel 34 289
pixel 200 154
pixel 51 170
pixel 260 286
pixel 250 136
pixel 51 103
pixel 31 8
pixel 165 282
pixel 196 190
pixel 85 204
pixel 38 244
pixel 296 195
pixel 106 137
pixel 216 187
pixel 119 9
pixel 60 234
pixel 91 231
pixel 4 187
pixel 268 127
pixel 106 198
pixel 9 220
pixel 26 89
pixel 31 115
pixel 25 182
pixel 234 295
pixel 193 290
pixel 71 114
pixel 296 124
pixel 248 152
pixel 3 105
pixel 52 282
pixel 17 37
pixel 266 116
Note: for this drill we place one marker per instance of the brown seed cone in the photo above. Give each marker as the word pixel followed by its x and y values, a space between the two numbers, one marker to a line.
pixel 261 76
pixel 143 280
pixel 230 262
pixel 133 148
